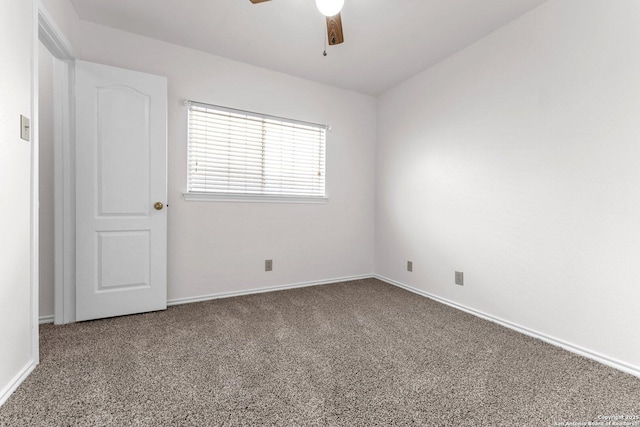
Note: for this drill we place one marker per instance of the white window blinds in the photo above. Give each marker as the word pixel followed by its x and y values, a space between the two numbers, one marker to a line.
pixel 243 153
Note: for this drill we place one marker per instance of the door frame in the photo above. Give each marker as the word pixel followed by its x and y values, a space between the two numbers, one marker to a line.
pixel 53 38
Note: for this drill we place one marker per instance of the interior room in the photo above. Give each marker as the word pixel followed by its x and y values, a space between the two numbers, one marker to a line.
pixel 287 212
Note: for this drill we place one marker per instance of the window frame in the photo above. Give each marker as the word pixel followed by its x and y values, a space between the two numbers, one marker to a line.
pixel 207 196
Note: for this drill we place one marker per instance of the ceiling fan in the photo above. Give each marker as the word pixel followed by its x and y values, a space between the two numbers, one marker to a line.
pixel 331 9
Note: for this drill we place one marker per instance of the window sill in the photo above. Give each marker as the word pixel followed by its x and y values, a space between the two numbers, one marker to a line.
pixel 251 198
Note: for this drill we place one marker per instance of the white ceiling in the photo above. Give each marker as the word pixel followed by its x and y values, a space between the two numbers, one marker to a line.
pixel 386 41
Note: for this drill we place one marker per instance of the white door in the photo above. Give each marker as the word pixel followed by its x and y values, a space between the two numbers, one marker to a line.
pixel 121 187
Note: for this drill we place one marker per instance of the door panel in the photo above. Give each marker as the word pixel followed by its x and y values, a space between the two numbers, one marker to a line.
pixel 121 145
pixel 123 260
pixel 130 111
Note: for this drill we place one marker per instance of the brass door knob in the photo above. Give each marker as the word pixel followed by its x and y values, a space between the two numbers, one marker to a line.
pixel 158 206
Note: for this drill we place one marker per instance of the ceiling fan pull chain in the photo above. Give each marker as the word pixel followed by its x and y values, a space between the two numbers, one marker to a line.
pixel 325 36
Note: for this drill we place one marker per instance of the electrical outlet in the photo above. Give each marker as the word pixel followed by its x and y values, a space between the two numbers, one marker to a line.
pixel 409 265
pixel 459 278
pixel 268 265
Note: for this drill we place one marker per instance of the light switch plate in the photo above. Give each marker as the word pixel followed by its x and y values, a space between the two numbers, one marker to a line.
pixel 459 278
pixel 25 128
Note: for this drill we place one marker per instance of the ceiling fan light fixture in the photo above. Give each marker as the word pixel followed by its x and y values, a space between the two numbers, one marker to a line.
pixel 329 7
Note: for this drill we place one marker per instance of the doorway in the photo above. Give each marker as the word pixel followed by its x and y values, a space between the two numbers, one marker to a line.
pixel 114 144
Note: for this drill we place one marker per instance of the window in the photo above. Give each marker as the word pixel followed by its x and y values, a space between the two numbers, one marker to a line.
pixel 238 154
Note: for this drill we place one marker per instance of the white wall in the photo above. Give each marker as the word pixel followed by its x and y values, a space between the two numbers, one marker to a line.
pixel 17 331
pixel 45 151
pixel 221 247
pixel 516 162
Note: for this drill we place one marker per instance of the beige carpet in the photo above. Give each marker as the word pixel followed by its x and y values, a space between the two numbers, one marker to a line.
pixel 360 353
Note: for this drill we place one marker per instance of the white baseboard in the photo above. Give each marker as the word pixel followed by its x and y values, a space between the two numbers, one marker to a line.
pixel 16 381
pixel 209 297
pixel 45 319
pixel 605 360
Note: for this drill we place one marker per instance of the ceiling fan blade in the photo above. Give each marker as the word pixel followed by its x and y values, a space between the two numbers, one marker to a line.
pixel 334 30
pixel 258 1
